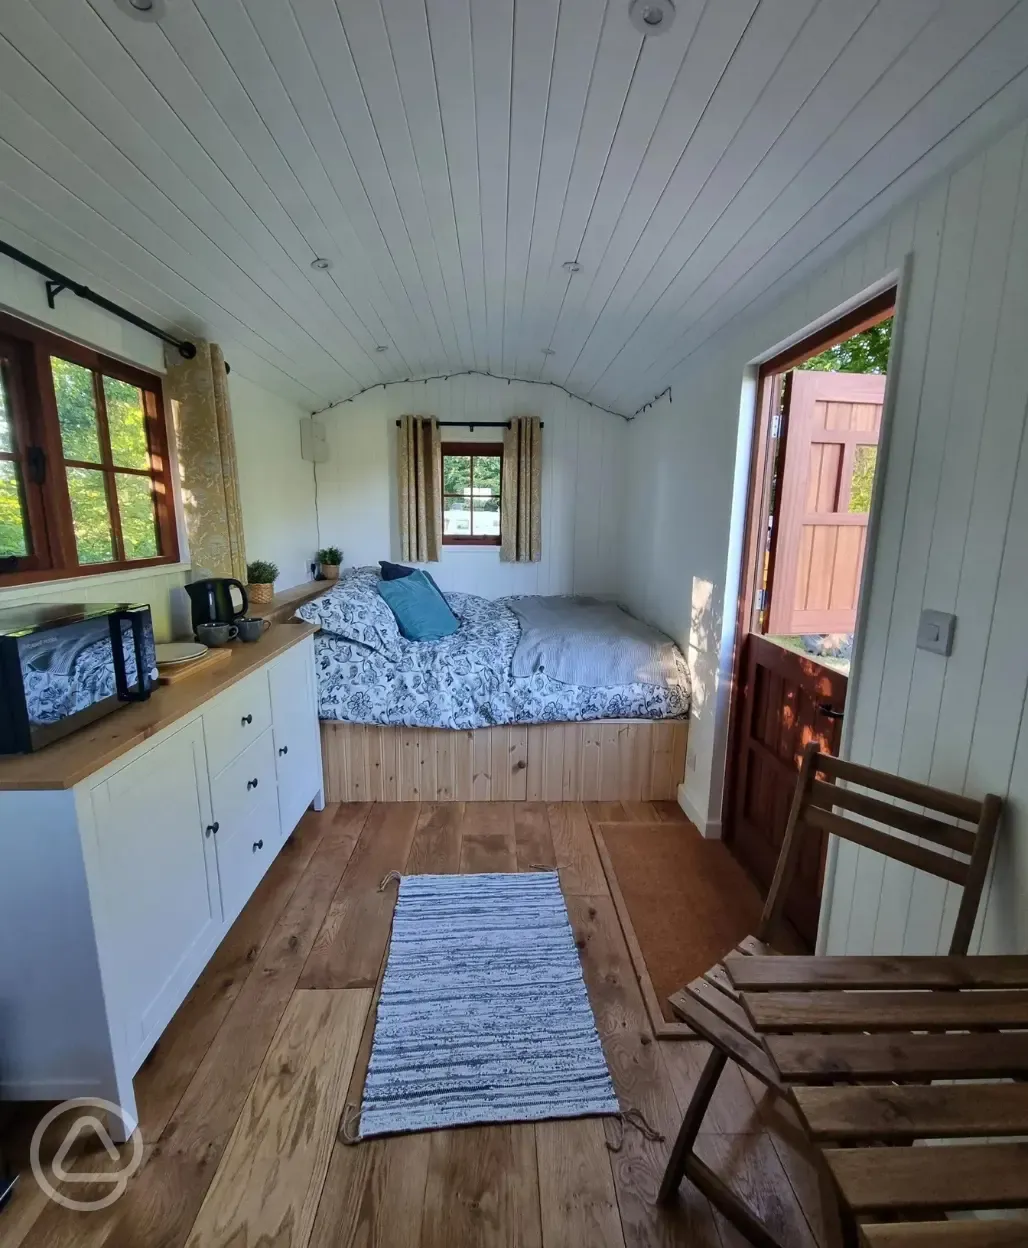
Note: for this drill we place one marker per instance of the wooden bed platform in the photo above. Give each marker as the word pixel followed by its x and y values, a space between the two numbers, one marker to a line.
pixel 611 760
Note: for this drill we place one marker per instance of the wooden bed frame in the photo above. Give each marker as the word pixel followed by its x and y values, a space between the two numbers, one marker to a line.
pixel 610 760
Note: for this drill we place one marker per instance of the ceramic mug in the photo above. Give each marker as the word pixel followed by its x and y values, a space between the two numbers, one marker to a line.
pixel 216 634
pixel 250 629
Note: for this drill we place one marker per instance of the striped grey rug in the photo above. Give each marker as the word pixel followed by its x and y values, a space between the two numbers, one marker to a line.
pixel 483 1015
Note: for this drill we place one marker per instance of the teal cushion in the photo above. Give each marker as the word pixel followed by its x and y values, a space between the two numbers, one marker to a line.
pixel 421 611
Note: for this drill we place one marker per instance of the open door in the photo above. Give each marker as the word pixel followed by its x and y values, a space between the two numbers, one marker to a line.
pixel 815 462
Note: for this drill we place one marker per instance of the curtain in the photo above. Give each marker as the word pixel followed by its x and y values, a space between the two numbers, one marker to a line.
pixel 420 489
pixel 198 393
pixel 521 503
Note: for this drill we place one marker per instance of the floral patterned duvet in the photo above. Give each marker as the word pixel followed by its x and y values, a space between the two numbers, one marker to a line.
pixel 368 673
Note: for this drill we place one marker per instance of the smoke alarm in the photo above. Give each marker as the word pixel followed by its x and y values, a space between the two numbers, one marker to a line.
pixel 651 17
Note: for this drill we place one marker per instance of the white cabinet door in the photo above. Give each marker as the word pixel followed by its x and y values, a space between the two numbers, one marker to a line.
pixel 162 908
pixel 297 741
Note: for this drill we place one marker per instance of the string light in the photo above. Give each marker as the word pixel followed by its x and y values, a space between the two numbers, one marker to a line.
pixel 478 372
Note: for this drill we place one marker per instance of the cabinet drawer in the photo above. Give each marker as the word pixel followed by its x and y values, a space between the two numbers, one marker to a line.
pixel 235 718
pixel 244 783
pixel 246 853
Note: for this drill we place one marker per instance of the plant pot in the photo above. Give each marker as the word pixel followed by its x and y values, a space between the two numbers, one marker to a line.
pixel 330 571
pixel 263 592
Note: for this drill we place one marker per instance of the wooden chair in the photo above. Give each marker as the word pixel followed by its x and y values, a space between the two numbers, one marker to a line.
pixel 709 1004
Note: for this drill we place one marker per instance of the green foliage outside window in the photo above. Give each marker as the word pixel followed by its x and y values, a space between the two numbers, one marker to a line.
pixel 867 352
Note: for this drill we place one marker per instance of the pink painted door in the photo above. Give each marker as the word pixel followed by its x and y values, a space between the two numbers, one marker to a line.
pixel 834 422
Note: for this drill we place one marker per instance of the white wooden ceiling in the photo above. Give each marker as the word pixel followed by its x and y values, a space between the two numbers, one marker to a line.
pixel 449 155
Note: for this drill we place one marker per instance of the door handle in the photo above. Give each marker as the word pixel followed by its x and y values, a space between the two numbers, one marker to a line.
pixel 258 845
pixel 826 708
pixel 284 749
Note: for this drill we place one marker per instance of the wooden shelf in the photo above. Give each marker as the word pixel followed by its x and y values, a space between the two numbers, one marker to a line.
pixel 68 762
pixel 280 609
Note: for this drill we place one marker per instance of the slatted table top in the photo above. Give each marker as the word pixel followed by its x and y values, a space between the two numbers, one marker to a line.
pixel 857 1042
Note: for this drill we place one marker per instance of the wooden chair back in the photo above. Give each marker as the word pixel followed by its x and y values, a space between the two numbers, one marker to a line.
pixel 970 839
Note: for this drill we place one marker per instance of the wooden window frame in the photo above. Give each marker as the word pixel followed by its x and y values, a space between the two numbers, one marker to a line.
pixel 476 450
pixel 36 424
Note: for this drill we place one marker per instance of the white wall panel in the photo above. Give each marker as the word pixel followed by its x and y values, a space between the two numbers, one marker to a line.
pixel 954 511
pixel 583 468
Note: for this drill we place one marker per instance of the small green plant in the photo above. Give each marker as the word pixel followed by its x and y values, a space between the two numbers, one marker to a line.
pixel 261 572
pixel 331 555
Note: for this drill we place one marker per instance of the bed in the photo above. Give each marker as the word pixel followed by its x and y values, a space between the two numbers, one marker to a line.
pixel 448 719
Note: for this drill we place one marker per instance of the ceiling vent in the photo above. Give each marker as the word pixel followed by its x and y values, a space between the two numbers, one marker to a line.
pixel 651 17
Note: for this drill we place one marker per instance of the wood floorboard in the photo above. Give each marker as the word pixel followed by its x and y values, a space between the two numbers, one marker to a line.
pixel 243 1094
pixel 350 946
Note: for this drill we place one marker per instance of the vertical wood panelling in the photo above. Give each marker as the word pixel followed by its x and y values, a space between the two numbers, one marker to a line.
pixel 610 761
pixel 953 512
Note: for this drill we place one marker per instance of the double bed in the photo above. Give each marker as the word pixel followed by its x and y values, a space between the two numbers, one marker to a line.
pixel 450 719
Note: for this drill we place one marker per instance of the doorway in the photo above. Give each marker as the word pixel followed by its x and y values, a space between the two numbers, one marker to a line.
pixel 815 462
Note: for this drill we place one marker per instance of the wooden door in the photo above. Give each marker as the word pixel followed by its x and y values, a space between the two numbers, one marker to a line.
pixel 785 701
pixel 834 422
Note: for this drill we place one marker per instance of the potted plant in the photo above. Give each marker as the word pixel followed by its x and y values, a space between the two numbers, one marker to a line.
pixel 260 580
pixel 329 560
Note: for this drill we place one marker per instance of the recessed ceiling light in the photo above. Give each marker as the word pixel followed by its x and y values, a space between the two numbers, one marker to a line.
pixel 548 351
pixel 321 263
pixel 381 347
pixel 144 10
pixel 571 266
pixel 651 17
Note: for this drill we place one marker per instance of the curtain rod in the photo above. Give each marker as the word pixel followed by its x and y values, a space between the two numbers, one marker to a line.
pixel 475 424
pixel 56 282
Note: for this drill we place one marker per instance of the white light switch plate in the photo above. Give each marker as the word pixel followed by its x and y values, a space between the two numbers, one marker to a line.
pixel 935 632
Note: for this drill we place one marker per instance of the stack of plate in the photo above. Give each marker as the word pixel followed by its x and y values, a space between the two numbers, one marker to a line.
pixel 174 653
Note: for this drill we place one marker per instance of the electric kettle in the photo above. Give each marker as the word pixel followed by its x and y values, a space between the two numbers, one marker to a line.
pixel 212 601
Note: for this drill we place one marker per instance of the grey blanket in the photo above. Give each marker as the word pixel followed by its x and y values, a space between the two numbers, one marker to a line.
pixel 582 641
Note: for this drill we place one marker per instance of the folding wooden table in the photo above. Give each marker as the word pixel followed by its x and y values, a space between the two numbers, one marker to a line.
pixel 856 1044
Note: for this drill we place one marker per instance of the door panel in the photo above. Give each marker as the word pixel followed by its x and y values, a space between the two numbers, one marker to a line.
pixel 779 712
pixel 831 454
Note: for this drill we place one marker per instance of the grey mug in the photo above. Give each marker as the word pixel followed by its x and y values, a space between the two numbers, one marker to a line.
pixel 216 634
pixel 250 629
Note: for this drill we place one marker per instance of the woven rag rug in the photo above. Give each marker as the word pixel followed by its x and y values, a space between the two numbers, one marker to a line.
pixel 483 1015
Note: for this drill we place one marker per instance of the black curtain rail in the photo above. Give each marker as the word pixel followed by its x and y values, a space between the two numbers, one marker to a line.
pixel 57 282
pixel 475 424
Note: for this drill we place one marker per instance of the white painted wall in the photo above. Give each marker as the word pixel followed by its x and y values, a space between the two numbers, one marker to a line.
pixel 583 468
pixel 951 535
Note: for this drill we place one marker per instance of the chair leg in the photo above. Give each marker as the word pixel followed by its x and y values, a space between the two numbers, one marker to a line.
pixel 690 1128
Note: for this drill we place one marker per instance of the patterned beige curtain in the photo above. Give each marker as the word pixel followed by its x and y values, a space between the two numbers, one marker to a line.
pixel 420 489
pixel 198 393
pixel 521 504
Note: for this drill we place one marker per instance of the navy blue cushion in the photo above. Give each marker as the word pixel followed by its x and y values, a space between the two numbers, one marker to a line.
pixel 396 571
pixel 421 611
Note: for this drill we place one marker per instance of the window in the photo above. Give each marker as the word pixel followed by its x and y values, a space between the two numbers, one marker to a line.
pixel 472 476
pixel 85 481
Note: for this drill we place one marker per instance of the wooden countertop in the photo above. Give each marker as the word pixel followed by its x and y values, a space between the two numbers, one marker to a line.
pixel 283 606
pixel 71 760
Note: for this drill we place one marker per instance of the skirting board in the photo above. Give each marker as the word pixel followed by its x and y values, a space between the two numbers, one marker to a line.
pixel 611 760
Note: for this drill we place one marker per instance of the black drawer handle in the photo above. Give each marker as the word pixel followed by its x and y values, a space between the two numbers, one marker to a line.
pixel 258 845
pixel 247 719
pixel 826 708
pixel 284 749
pixel 251 784
pixel 211 829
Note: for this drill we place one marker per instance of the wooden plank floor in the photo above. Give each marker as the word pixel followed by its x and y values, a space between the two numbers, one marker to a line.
pixel 240 1101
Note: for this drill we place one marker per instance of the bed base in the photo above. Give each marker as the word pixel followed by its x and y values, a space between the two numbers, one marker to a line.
pixel 611 760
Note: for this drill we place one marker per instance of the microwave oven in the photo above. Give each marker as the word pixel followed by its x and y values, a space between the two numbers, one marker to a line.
pixel 64 666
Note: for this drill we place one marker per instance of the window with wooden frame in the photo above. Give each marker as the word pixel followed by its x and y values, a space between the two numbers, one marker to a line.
pixel 85 478
pixel 472 483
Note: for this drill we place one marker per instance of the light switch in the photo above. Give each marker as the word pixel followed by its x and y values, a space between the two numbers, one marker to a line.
pixel 935 632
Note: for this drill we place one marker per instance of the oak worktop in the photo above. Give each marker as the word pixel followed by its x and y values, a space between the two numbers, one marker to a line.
pixel 66 763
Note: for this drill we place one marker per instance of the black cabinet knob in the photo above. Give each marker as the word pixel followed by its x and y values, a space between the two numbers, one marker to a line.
pixel 211 829
pixel 284 749
pixel 258 845
pixel 252 784
pixel 247 719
